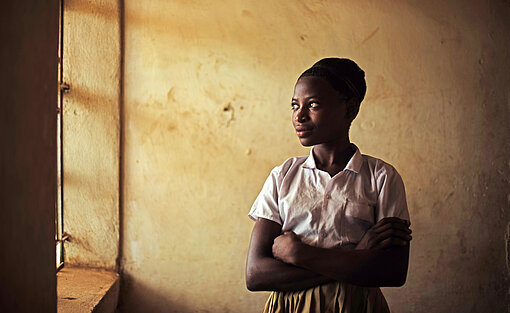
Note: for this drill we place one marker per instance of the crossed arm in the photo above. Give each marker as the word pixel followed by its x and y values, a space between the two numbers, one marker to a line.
pixel 281 262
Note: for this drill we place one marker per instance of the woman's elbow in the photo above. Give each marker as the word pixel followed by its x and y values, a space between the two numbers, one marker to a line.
pixel 395 279
pixel 400 280
pixel 252 286
pixel 253 281
pixel 250 282
pixel 396 264
pixel 394 282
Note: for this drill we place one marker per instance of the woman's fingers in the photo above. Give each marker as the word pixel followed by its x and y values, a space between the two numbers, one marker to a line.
pixel 391 222
pixel 385 227
pixel 393 233
pixel 391 237
pixel 389 231
pixel 392 241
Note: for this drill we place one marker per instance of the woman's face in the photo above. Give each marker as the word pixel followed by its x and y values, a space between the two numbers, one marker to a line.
pixel 318 112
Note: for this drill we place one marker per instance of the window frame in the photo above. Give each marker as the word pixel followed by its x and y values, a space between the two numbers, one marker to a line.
pixel 60 236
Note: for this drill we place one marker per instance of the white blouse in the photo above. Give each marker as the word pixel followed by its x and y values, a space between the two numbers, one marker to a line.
pixel 331 211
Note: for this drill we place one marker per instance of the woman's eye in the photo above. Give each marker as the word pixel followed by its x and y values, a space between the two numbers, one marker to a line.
pixel 313 105
pixel 294 106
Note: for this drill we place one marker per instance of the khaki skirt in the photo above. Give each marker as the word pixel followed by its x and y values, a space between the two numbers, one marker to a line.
pixel 333 297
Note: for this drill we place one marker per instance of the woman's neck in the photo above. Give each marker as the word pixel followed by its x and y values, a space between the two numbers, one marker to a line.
pixel 333 158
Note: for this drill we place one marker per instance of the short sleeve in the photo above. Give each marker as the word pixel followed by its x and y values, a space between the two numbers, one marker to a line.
pixel 391 201
pixel 266 203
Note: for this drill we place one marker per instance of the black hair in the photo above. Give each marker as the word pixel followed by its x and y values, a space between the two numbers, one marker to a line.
pixel 344 75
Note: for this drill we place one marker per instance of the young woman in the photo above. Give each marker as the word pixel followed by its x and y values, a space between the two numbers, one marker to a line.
pixel 331 227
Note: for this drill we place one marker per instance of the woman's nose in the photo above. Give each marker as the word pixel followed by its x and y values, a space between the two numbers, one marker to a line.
pixel 301 115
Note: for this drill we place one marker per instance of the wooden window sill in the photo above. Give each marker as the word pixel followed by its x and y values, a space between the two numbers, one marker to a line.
pixel 85 290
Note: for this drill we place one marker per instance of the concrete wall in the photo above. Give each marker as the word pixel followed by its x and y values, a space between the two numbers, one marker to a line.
pixel 91 132
pixel 207 115
pixel 28 155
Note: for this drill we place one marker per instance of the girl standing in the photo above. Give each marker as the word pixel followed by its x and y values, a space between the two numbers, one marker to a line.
pixel 333 226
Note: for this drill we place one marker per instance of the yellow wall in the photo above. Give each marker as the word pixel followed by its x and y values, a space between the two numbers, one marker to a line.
pixel 207 115
pixel 91 132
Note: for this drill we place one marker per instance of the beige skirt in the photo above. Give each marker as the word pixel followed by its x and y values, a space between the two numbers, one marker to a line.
pixel 333 297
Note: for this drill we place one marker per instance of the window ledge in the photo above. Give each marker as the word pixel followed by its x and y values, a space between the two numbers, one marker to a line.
pixel 86 290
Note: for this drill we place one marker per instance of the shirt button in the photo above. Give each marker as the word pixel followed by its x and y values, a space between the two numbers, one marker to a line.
pixel 328 196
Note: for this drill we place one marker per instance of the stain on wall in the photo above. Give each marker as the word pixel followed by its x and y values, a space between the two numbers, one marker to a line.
pixel 207 115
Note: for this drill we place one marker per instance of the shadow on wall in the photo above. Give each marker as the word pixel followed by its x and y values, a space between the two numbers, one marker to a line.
pixel 143 298
pixel 104 9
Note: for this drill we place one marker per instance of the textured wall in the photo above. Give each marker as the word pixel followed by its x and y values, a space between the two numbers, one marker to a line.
pixel 28 155
pixel 91 131
pixel 207 106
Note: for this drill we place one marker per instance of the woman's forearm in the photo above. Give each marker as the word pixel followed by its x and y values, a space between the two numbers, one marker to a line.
pixel 373 268
pixel 381 258
pixel 265 273
pixel 269 274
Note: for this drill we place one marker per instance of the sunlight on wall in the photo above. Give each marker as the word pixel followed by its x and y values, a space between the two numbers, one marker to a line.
pixel 207 102
pixel 91 132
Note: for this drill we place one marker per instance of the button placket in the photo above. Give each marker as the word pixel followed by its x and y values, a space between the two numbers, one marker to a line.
pixel 336 206
pixel 326 212
pixel 323 233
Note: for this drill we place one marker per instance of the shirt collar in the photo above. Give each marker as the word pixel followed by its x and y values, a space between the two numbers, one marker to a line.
pixel 353 165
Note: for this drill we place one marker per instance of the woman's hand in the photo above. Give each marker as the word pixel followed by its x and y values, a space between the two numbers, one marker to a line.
pixel 264 272
pixel 388 232
pixel 369 265
pixel 285 246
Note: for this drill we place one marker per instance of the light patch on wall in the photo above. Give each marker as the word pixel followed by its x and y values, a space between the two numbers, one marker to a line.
pixel 134 252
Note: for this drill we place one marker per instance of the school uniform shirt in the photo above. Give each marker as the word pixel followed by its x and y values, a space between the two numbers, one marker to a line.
pixel 330 211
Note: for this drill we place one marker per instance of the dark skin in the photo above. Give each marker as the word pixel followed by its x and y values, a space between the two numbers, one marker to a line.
pixel 281 261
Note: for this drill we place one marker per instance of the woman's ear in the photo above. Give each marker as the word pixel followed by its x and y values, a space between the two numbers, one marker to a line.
pixel 351 108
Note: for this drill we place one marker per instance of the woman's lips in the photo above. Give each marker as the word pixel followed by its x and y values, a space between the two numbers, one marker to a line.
pixel 303 132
